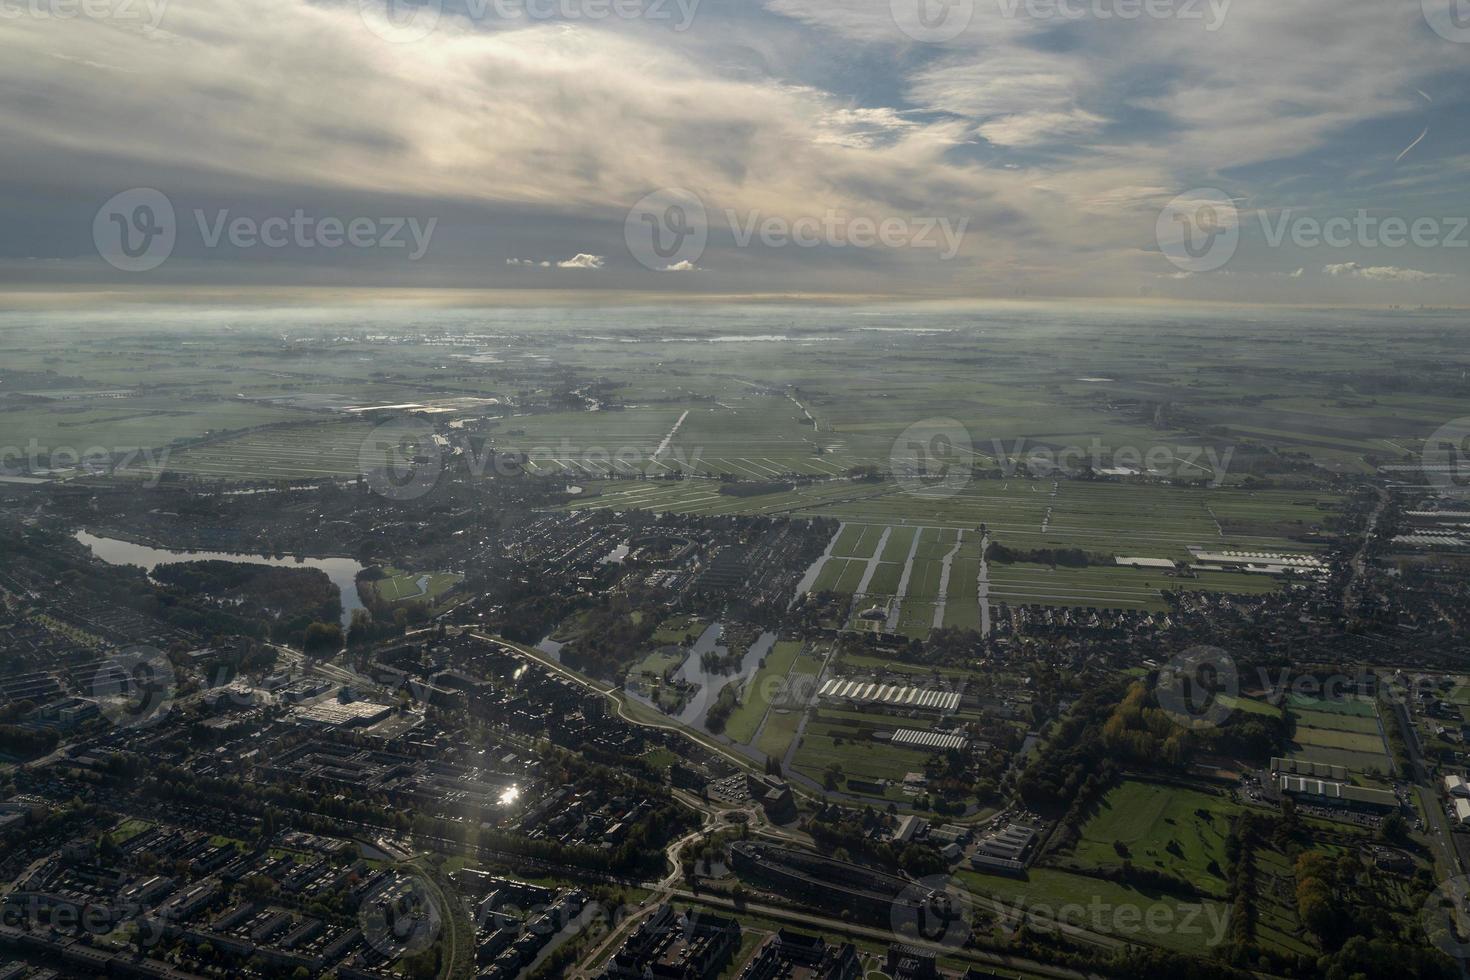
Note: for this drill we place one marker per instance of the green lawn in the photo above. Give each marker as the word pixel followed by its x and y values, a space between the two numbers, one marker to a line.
pixel 1164 828
pixel 400 586
pixel 1106 907
pixel 755 698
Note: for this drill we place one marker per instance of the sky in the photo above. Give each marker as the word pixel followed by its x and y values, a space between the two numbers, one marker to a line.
pixel 1256 151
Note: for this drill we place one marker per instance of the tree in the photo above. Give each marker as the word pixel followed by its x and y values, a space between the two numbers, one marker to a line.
pixel 322 638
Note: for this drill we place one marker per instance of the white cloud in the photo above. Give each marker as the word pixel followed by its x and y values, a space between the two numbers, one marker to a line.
pixel 582 260
pixel 683 265
pixel 1380 273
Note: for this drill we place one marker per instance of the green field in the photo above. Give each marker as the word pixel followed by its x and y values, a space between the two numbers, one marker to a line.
pixel 1167 828
pixel 755 697
pixel 1107 907
pixel 1342 732
pixel 813 404
pixel 400 586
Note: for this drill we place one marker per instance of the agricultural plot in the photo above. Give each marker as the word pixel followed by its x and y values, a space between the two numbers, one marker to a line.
pixel 314 450
pixel 1337 721
pixel 850 746
pixel 1099 518
pixel 885 579
pixel 900 544
pixel 916 618
pixel 135 422
pixel 1108 587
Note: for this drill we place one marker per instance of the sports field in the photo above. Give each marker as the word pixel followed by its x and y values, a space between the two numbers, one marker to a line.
pixel 1341 731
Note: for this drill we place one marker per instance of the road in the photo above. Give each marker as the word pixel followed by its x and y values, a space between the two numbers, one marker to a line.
pixel 1360 560
pixel 810 921
pixel 1440 833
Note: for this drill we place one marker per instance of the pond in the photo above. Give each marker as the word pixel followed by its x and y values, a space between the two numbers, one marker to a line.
pixel 710 684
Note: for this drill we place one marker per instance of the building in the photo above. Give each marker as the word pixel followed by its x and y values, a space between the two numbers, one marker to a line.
pixel 906 962
pixel 669 946
pixel 1322 792
pixel 774 796
pixel 1455 785
pixel 790 954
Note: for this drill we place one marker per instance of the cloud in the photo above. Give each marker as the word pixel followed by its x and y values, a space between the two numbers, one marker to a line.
pixel 1381 273
pixel 1058 141
pixel 683 265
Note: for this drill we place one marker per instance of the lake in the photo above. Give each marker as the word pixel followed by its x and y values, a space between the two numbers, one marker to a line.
pixel 114 551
